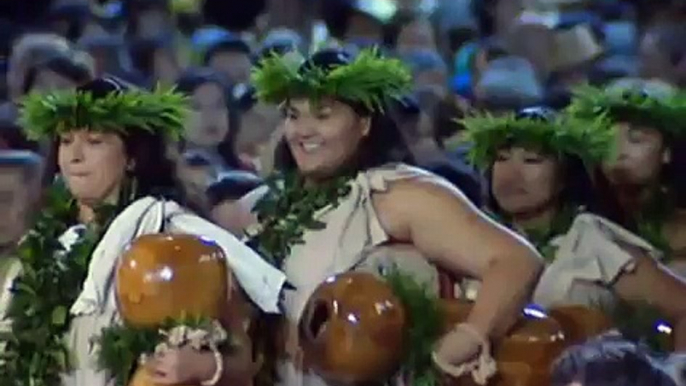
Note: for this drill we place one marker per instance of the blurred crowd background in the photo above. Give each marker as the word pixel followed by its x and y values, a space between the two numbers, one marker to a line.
pixel 498 55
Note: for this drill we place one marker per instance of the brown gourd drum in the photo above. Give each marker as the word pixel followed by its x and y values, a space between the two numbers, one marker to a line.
pixel 163 276
pixel 353 326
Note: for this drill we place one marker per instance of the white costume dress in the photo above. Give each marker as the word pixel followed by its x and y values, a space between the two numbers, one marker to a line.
pixel 96 306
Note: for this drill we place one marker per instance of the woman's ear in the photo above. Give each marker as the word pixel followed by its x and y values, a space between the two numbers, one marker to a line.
pixel 666 156
pixel 366 123
pixel 130 166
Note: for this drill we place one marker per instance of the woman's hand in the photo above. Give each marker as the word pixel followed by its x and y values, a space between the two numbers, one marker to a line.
pixel 457 347
pixel 180 366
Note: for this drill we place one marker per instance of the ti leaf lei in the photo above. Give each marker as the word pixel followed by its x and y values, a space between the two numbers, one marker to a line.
pixel 651 220
pixel 121 346
pixel 426 326
pixel 36 353
pixel 288 209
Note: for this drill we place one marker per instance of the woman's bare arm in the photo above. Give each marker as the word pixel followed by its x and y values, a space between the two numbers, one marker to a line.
pixel 654 284
pixel 452 233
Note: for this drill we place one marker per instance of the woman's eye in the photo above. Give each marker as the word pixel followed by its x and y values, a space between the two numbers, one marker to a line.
pixel 533 160
pixel 95 140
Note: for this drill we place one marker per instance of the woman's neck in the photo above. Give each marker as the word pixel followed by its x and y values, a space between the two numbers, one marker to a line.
pixel 634 199
pixel 86 213
pixel 538 219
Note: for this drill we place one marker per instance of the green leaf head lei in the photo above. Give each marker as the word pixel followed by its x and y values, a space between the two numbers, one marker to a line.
pixel 369 79
pixel 109 107
pixel 647 104
pixel 556 134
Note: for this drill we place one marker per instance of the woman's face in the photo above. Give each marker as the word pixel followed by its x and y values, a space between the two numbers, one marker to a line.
pixel 524 181
pixel 323 137
pixel 641 154
pixel 208 123
pixel 93 165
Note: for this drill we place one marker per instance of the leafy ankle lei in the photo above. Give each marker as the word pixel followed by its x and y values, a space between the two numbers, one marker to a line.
pixel 36 353
pixel 288 209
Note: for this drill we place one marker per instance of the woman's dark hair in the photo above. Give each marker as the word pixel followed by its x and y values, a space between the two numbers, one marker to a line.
pixel 153 171
pixel 63 65
pixel 383 145
pixel 672 189
pixel 608 361
pixel 190 81
pixel 577 190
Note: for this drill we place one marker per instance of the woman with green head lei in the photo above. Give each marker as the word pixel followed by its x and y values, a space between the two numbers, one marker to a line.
pixel 114 185
pixel 344 193
pixel 644 183
pixel 538 163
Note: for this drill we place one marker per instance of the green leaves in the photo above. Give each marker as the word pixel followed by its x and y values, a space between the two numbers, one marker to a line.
pixel 370 80
pixel 44 116
pixel 121 346
pixel 425 326
pixel 289 209
pixel 665 111
pixel 589 139
pixel 51 279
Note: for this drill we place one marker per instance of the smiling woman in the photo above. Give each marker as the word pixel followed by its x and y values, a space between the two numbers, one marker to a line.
pixel 343 191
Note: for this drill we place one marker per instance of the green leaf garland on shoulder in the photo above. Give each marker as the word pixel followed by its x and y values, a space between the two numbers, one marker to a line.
pixel 591 141
pixel 369 79
pixel 45 116
pixel 51 280
pixel 288 209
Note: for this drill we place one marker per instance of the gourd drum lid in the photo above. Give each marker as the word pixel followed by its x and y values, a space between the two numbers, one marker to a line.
pixel 162 276
pixel 352 329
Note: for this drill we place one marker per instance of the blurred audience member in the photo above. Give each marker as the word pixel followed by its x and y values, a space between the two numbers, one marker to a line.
pixel 430 75
pixel 224 192
pixel 207 128
pixel 608 360
pixel 663 53
pixel 12 137
pixel 254 125
pixel 509 83
pixel 28 51
pixel 576 51
pixel 20 173
pixel 230 56
pixel 195 172
pixel 60 71
pixel 409 31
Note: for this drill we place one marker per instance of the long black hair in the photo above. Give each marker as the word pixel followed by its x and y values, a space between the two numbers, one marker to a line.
pixel 152 172
pixel 190 81
pixel 383 145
